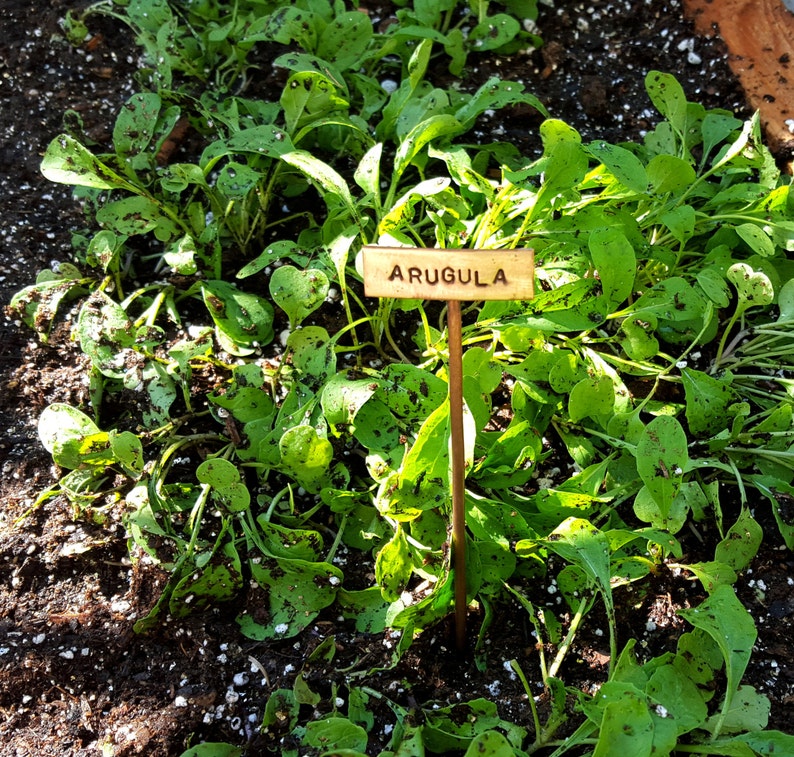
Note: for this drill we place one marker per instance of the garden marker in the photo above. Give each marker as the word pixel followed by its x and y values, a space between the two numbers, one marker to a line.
pixel 451 275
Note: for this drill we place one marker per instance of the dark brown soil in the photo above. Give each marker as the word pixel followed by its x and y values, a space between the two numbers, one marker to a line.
pixel 74 678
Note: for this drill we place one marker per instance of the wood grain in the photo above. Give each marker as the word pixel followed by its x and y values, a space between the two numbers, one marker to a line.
pixel 431 274
pixel 760 37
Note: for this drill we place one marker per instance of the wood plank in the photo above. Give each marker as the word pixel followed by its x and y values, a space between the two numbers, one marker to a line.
pixel 431 274
pixel 760 37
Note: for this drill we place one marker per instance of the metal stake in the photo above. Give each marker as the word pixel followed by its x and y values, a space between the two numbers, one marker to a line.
pixel 454 332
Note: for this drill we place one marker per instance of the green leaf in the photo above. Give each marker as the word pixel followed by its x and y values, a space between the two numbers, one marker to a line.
pixel 334 734
pixel 592 398
pixel 495 94
pixel 343 397
pixel 235 180
pixel 318 172
pixel 243 321
pixel 741 543
pixel 671 519
pixel 679 696
pixel 496 523
pixel 213 749
pixel 105 333
pixel 306 456
pixel 224 478
pixel 717 127
pixel 672 299
pixel 345 39
pixel 580 543
pixel 219 580
pixel 60 424
pixel 425 612
pixel 313 354
pixel 623 164
pixel 245 398
pixel 307 96
pixel 452 728
pixel 423 481
pixel 626 728
pixel 752 287
pixel 296 592
pixel 137 215
pixel 768 742
pixel 367 174
pixel 420 135
pixel 565 163
pixel 681 222
pixel 282 708
pixel 68 162
pixel 661 459
pixel 670 174
pixel 37 305
pixel 293 543
pixel 707 402
pixel 490 744
pixel 410 392
pixel 128 450
pixel 713 574
pixel 394 566
pixel 136 123
pixel 274 252
pixel 668 97
pixel 749 711
pixel 493 32
pixel 616 263
pixel 638 339
pixel 266 140
pixel 723 617
pixel 713 283
pixel 756 239
pixel 366 607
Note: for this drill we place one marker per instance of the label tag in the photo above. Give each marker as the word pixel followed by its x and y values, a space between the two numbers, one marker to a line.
pixel 433 274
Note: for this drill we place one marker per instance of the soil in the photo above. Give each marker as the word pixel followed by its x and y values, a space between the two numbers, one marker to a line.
pixel 74 677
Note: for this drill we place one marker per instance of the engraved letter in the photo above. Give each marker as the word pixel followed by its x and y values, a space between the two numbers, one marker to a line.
pixel 477 281
pixel 500 277
pixel 468 276
pixel 428 272
pixel 448 275
pixel 396 273
pixel 414 274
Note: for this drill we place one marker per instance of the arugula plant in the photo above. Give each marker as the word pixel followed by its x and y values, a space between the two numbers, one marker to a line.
pixel 655 357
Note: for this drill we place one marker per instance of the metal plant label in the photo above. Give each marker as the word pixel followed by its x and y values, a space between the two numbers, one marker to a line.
pixel 452 275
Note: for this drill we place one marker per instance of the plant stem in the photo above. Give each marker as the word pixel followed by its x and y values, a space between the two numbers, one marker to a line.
pixel 569 637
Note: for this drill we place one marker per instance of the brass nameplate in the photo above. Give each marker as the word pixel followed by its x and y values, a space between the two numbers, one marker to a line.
pixel 433 274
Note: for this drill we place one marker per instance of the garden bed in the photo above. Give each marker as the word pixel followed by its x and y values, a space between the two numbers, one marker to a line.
pixel 75 677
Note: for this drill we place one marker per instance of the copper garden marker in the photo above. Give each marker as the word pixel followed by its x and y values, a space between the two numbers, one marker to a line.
pixel 451 275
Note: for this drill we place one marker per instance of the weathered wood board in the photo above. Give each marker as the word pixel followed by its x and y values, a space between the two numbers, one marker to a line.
pixel 432 274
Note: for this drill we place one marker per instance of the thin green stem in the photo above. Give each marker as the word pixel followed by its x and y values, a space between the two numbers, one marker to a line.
pixel 569 637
